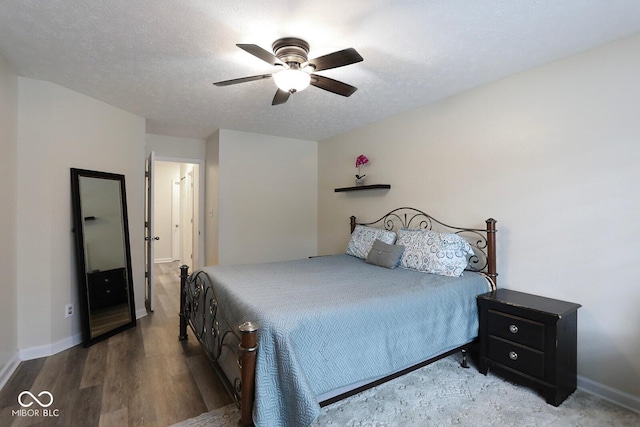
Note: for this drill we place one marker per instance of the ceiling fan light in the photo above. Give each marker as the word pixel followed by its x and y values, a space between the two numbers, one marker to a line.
pixel 292 80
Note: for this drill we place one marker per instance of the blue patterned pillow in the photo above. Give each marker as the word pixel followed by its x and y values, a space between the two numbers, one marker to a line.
pixel 433 252
pixel 363 237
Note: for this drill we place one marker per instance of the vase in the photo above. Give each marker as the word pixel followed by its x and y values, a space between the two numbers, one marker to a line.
pixel 359 181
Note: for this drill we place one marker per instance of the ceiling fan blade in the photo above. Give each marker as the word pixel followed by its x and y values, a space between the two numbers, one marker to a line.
pixel 332 85
pixel 259 52
pixel 281 97
pixel 242 80
pixel 336 59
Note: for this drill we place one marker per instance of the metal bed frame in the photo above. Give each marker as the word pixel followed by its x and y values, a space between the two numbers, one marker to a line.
pixel 242 340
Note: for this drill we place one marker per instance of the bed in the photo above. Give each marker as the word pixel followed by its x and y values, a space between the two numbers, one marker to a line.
pixel 290 337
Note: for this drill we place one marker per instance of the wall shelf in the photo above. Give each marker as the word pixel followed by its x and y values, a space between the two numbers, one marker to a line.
pixel 364 187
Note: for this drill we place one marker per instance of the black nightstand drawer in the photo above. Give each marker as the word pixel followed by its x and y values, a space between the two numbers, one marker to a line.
pixel 517 329
pixel 518 357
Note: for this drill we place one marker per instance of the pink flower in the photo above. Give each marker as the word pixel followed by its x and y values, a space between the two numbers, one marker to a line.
pixel 361 160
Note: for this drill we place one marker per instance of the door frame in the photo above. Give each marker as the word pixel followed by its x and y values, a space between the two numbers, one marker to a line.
pixel 149 277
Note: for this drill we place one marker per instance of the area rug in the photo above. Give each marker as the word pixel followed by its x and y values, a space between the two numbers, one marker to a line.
pixel 444 394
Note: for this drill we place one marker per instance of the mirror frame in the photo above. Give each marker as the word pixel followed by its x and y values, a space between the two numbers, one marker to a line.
pixel 82 276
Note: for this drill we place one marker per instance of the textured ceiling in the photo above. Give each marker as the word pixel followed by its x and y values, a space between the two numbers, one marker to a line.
pixel 159 58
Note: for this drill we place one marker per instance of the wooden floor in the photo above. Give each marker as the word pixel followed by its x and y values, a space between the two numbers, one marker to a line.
pixel 141 377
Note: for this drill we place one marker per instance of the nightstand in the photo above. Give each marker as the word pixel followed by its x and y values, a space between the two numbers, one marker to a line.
pixel 531 340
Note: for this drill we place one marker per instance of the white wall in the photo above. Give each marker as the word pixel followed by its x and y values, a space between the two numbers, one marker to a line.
pixel 175 147
pixel 552 154
pixel 9 220
pixel 59 129
pixel 212 179
pixel 267 198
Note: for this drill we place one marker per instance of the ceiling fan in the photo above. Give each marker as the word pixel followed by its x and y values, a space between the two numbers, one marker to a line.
pixel 296 71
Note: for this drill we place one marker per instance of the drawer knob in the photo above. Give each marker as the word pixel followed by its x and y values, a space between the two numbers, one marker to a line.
pixel 513 355
pixel 513 329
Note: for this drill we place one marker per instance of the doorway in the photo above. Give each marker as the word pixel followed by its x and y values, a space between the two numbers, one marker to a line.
pixel 175 208
pixel 174 217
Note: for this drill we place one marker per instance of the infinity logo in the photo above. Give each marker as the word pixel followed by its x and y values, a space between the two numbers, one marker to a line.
pixel 26 405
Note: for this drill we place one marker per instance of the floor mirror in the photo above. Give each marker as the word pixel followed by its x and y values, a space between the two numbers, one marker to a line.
pixel 103 254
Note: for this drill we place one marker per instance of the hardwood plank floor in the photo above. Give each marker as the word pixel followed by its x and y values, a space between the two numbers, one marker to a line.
pixel 143 377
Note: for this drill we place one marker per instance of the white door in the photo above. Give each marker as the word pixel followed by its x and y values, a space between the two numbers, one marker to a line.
pixel 149 236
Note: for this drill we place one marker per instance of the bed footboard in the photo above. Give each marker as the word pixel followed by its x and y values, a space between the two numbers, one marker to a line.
pixel 200 310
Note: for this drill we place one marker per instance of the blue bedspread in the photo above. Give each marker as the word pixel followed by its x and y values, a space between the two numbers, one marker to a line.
pixel 328 322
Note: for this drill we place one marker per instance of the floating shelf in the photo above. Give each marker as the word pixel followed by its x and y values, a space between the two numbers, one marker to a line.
pixel 364 187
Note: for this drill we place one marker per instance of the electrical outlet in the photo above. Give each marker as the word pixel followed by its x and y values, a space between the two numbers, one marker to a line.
pixel 68 310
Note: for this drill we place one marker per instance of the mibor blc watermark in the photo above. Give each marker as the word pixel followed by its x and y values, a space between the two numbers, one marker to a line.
pixel 43 401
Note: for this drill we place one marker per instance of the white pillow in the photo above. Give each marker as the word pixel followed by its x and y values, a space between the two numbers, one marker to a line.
pixel 433 252
pixel 363 237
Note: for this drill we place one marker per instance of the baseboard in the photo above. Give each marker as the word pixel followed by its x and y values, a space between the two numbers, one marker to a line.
pixel 64 344
pixel 161 260
pixel 49 349
pixel 8 369
pixel 141 312
pixel 53 348
pixel 611 394
pixel 45 351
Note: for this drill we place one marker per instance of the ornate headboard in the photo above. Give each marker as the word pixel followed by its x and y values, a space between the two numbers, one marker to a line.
pixel 482 241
